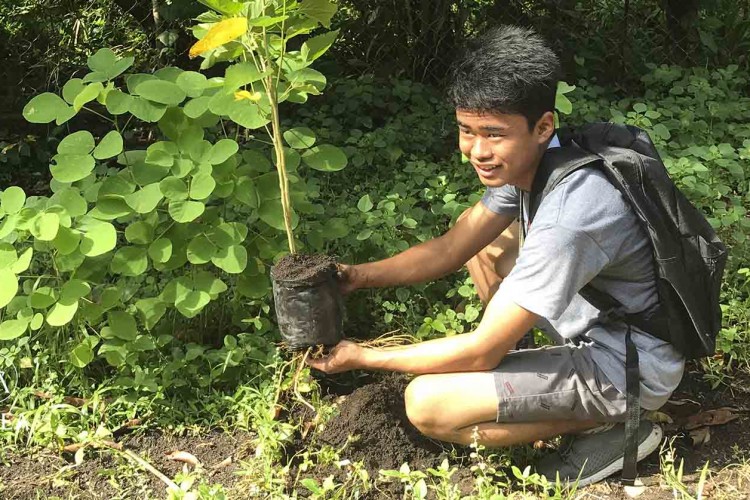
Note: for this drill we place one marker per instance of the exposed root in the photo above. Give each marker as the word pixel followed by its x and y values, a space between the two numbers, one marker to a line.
pixel 389 340
pixel 295 383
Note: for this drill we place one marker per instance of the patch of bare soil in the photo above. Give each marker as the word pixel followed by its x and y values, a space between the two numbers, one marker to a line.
pixel 103 473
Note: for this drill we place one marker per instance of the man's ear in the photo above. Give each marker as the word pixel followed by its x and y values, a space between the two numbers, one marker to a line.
pixel 545 127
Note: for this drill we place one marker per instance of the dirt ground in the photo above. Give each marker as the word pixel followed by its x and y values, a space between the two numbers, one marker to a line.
pixel 374 415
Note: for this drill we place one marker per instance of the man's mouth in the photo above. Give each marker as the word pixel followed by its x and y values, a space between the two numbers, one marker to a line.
pixel 486 168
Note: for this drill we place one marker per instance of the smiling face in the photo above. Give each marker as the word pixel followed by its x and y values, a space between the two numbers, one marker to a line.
pixel 501 147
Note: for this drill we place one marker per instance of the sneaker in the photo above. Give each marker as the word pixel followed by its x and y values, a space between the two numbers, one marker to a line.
pixel 596 456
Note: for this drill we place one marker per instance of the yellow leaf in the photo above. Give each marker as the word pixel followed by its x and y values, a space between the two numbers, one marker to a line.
pixel 219 34
pixel 244 94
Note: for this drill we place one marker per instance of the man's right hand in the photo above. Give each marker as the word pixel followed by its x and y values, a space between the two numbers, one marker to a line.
pixel 349 278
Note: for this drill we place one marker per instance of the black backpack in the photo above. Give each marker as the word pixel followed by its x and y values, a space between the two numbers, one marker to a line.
pixel 689 258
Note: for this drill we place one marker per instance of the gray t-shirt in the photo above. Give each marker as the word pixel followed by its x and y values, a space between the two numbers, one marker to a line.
pixel 586 231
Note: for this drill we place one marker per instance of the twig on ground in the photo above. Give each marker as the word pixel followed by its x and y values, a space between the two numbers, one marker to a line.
pixel 153 470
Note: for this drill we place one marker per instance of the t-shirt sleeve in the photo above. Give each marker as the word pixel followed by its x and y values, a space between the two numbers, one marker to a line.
pixel 502 200
pixel 554 264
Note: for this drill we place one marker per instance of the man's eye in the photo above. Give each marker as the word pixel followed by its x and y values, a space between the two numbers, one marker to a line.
pixel 494 136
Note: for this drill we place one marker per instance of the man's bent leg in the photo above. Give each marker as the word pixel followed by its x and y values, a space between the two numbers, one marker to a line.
pixel 447 407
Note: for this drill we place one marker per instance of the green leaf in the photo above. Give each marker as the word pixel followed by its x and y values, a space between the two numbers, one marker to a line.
pixel 24 261
pixel 254 287
pixel 662 131
pixel 173 189
pixel 118 102
pixel 222 151
pixel 66 242
pixel 130 261
pixel 316 46
pixel 82 355
pixel 44 108
pixel 246 193
pixel 74 290
pixel 37 321
pixel 71 168
pixel 563 104
pixel 193 303
pixel 326 158
pixel 87 95
pixel 182 167
pixel 365 203
pixel 110 207
pixel 319 10
pixel 202 186
pixel 70 198
pixel 8 255
pixel 14 199
pixel 248 114
pixel 44 226
pixel 160 250
pixel 146 110
pixel 201 250
pixel 232 259
pixel 364 234
pixel 161 92
pixel 13 328
pixel 639 107
pixel 161 154
pixel 8 286
pixel 271 213
pixel 62 313
pixel 99 238
pixel 300 137
pixel 226 7
pixel 102 60
pixel 146 199
pixel 196 107
pixel 186 211
pixel 192 83
pixel 122 325
pixel 204 281
pixel 77 143
pixel 110 146
pixel 72 88
pixel 241 74
pixel 151 311
pixel 139 232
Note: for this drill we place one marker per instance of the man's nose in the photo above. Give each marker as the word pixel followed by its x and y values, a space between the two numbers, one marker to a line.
pixel 481 149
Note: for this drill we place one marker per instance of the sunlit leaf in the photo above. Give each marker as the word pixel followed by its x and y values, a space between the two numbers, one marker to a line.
pixel 219 34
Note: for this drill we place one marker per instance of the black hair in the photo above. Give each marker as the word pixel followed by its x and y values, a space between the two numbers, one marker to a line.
pixel 509 69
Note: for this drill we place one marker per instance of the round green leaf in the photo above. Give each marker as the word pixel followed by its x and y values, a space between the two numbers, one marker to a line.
pixel 160 250
pixel 326 158
pixel 87 95
pixel 161 91
pixel 102 60
pixel 99 238
pixel 248 114
pixel 118 102
pixel 365 203
pixel 202 186
pixel 66 242
pixel 74 290
pixel 193 303
pixel 13 328
pixel 139 233
pixel 23 262
pixel 44 108
pixel 110 146
pixel 70 198
pixel 110 207
pixel 81 355
pixel 232 259
pixel 196 107
pixel 72 88
pixel 77 143
pixel 36 321
pixel 254 287
pixel 146 110
pixel 151 311
pixel 300 137
pixel 222 151
pixel 8 255
pixel 44 227
pixel 192 82
pixel 186 211
pixel 42 298
pixel 62 313
pixel 72 168
pixel 145 200
pixel 207 282
pixel 246 192
pixel 8 286
pixel 122 325
pixel 173 189
pixel 129 261
pixel 271 213
pixel 201 250
pixel 14 199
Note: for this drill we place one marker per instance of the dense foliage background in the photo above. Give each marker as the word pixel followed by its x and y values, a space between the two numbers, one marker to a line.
pixel 678 69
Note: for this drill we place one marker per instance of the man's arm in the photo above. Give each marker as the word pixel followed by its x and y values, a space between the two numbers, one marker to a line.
pixel 435 258
pixel 503 324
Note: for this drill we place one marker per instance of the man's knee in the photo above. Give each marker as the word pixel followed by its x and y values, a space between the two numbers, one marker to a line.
pixel 423 399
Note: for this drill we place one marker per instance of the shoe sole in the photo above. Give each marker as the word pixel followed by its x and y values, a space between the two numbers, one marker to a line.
pixel 644 449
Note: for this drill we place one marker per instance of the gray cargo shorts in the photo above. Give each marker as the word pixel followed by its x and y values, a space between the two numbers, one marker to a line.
pixel 555 383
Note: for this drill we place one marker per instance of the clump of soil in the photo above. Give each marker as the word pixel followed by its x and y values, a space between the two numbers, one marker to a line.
pixel 303 267
pixel 375 416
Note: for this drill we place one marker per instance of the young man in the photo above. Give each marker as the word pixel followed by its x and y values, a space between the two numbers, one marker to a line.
pixel 584 231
